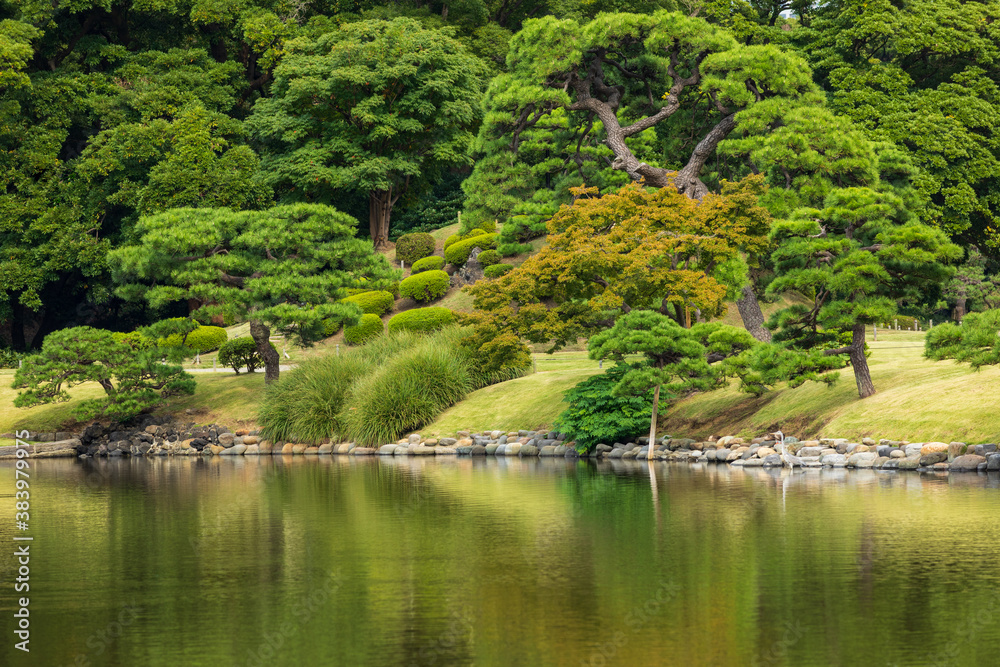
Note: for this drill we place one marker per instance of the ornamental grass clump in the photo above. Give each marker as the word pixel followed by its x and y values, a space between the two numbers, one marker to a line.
pixel 407 393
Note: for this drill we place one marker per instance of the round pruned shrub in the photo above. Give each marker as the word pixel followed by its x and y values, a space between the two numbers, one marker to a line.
pixel 497 270
pixel 367 328
pixel 488 258
pixel 241 353
pixel 452 240
pixel 421 319
pixel 458 253
pixel 411 247
pixel 371 303
pixel 425 286
pixel 203 339
pixel 432 263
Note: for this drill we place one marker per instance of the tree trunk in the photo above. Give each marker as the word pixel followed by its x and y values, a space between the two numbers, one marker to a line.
pixel 753 318
pixel 261 335
pixel 379 211
pixel 862 375
pixel 652 424
pixel 960 308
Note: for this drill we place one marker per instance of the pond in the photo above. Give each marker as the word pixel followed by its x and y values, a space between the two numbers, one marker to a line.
pixel 415 561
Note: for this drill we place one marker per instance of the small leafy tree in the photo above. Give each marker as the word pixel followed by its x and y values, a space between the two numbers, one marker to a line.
pixel 286 268
pixel 597 414
pixel 134 381
pixel 241 353
pixel 673 360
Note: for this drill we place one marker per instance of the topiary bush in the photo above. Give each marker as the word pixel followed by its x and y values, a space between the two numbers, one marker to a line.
pixel 425 286
pixel 488 258
pixel 432 263
pixel 241 352
pixel 497 270
pixel 371 303
pixel 421 319
pixel 458 253
pixel 411 247
pixel 203 339
pixel 367 328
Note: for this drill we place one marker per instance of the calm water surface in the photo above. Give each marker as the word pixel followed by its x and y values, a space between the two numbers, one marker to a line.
pixel 338 561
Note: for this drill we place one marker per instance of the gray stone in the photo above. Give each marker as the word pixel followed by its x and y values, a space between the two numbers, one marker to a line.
pixel 967 462
pixel 528 450
pixel 477 450
pixel 616 453
pixel 325 449
pixel 387 450
pixel 862 459
pixel 933 457
pixel 910 462
pixel 835 460
pixel 237 450
pixel 227 439
pixel 630 454
pixel 561 449
pixel 772 460
pixel 252 450
pixel 993 462
pixel 810 451
pixel 547 450
pixel 753 463
pixel 363 451
pixel 897 453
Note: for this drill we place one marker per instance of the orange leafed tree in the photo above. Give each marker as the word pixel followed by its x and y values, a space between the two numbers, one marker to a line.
pixel 636 248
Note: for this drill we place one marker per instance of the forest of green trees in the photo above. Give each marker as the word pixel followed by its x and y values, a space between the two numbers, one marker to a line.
pixel 864 128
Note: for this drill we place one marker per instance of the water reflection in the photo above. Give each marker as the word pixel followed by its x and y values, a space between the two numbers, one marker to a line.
pixel 409 560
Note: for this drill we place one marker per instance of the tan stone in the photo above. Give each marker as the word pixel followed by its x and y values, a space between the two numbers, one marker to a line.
pixel 287 448
pixel 311 450
pixel 325 449
pixel 299 449
pixel 860 449
pixel 933 448
pixel 343 448
pixel 265 447
pixel 251 440
pixel 764 451
pixel 216 449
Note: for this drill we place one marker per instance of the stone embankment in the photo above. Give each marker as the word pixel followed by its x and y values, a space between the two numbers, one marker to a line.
pixel 172 439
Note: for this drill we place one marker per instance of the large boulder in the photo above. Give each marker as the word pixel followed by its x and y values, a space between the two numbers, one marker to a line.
pixel 967 462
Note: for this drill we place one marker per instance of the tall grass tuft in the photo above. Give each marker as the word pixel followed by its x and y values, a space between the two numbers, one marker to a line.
pixel 407 392
pixel 306 405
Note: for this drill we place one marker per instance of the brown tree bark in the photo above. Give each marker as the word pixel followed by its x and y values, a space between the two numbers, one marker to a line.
pixel 261 335
pixel 380 203
pixel 753 317
pixel 959 311
pixel 862 375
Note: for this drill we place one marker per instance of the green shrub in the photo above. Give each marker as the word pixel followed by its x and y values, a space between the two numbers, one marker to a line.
pixel 432 263
pixel 367 328
pixel 9 358
pixel 203 339
pixel 305 405
pixel 425 286
pixel 411 247
pixel 596 415
pixel 421 319
pixel 331 326
pixel 497 270
pixel 409 391
pixel 458 253
pixel 241 352
pixel 451 240
pixel 488 258
pixel 494 355
pixel 371 303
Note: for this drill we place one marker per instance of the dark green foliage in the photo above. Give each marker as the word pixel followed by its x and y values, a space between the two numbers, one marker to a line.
pixel 432 263
pixel 411 247
pixel 425 286
pixel 488 258
pixel 766 365
pixel 975 341
pixel 495 355
pixel 435 209
pixel 596 414
pixel 372 303
pixel 497 270
pixel 134 339
pixel 9 358
pixel 134 381
pixel 458 253
pixel 331 326
pixel 368 327
pixel 421 319
pixel 201 340
pixel 241 353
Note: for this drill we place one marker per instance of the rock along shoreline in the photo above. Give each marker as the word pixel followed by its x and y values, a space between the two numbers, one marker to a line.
pixel 162 437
